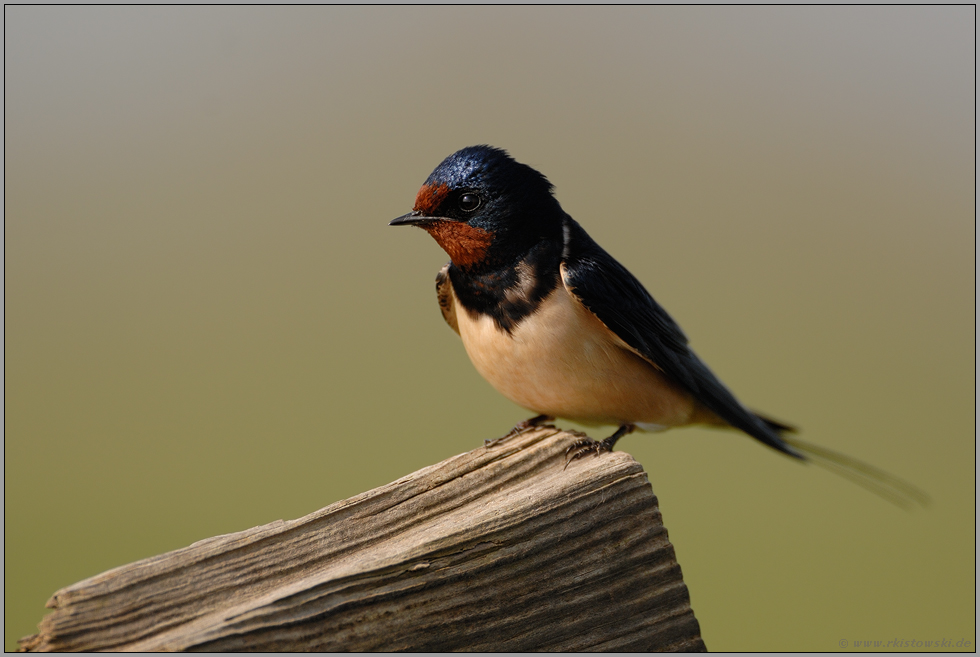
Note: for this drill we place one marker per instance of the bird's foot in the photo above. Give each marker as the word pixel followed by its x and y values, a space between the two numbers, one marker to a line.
pixel 586 446
pixel 519 428
pixel 581 448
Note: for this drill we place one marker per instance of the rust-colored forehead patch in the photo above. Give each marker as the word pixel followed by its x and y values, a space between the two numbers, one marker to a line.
pixel 429 198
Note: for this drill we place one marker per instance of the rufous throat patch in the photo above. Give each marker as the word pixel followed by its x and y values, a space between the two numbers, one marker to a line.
pixel 465 244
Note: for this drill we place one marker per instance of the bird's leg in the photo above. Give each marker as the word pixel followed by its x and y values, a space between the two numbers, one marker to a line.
pixel 586 446
pixel 520 428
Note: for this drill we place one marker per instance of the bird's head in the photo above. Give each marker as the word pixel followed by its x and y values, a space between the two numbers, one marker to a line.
pixel 484 208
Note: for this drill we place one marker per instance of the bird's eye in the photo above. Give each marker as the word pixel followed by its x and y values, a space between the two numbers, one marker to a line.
pixel 469 202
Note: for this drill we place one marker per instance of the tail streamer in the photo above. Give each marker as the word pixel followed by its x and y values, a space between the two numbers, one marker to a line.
pixel 887 486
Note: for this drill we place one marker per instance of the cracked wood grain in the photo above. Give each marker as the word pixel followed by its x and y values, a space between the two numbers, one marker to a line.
pixel 495 549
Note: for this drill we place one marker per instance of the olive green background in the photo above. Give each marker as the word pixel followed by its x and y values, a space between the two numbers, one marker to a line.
pixel 210 326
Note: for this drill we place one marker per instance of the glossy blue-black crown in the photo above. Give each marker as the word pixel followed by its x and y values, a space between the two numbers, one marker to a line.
pixel 492 169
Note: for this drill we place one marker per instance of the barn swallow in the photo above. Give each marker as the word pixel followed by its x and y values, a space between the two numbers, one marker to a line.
pixel 561 328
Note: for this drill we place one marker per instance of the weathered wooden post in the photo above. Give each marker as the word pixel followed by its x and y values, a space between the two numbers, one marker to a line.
pixel 495 549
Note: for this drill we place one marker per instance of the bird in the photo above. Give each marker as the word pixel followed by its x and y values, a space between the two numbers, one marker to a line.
pixel 561 328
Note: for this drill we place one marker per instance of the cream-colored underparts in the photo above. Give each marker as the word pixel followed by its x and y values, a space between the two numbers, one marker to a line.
pixel 563 361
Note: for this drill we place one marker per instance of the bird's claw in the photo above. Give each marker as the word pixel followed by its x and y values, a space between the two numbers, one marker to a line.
pixel 490 442
pixel 581 448
pixel 519 428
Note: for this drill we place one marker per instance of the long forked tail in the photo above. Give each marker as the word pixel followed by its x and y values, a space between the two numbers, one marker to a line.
pixel 886 486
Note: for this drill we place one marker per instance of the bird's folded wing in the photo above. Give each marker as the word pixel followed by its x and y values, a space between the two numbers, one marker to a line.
pixel 621 302
pixel 444 292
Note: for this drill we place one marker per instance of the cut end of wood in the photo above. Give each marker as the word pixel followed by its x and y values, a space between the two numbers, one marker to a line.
pixel 497 549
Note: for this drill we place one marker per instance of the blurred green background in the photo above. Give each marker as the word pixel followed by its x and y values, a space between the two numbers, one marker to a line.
pixel 210 326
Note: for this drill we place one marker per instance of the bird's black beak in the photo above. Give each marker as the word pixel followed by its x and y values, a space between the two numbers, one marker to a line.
pixel 411 219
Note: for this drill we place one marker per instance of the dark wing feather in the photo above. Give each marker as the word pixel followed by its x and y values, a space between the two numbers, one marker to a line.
pixel 614 295
pixel 444 292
